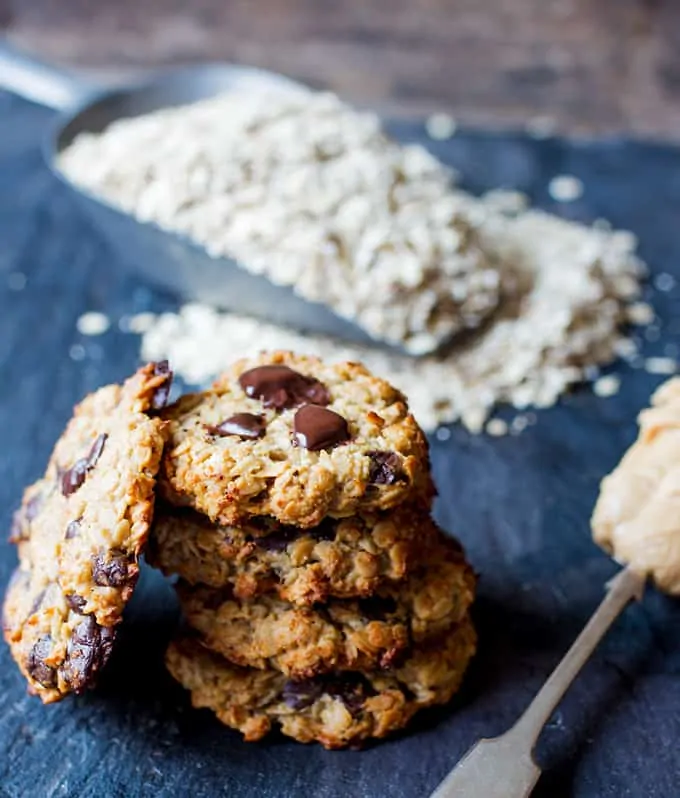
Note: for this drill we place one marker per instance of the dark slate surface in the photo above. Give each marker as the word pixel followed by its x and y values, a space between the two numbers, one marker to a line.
pixel 521 506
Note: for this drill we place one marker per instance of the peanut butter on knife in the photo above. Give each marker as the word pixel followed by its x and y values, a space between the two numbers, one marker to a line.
pixel 637 516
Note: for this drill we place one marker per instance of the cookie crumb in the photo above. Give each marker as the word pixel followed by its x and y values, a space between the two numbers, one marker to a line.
pixel 660 365
pixel 565 188
pixel 93 323
pixel 440 126
pixel 640 314
pixel 496 427
pixel 607 386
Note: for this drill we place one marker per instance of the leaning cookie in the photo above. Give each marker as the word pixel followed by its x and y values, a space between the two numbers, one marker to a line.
pixel 341 558
pixel 336 710
pixel 343 635
pixel 290 437
pixel 80 531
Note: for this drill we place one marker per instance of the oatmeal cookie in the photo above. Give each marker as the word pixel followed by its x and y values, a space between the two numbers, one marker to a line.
pixel 79 532
pixel 342 558
pixel 343 635
pixel 290 437
pixel 336 710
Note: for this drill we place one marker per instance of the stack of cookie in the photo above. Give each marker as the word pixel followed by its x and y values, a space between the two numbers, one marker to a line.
pixel 319 593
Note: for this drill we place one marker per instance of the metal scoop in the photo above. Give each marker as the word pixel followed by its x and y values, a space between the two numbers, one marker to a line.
pixel 168 260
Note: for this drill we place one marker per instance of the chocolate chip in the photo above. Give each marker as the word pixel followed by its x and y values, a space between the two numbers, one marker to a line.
pixel 36 666
pixel 278 540
pixel 73 478
pixel 377 608
pixel 76 603
pixel 385 468
pixel 22 518
pixel 115 570
pixel 317 428
pixel 351 689
pixel 161 393
pixel 281 387
pixel 73 529
pixel 245 425
pixel 303 693
pixel 87 652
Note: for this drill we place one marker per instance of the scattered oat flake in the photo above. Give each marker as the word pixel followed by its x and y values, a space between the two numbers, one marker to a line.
pixel 565 188
pixel 496 427
pixel 664 282
pixel 440 126
pixel 660 365
pixel 607 386
pixel 16 281
pixel 541 127
pixel 77 352
pixel 626 348
pixel 640 313
pixel 93 323
pixel 140 323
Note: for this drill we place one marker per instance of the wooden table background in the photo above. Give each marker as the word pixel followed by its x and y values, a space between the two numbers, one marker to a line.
pixel 591 66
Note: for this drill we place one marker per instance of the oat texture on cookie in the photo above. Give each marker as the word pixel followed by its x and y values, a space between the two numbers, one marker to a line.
pixel 341 557
pixel 80 531
pixel 344 634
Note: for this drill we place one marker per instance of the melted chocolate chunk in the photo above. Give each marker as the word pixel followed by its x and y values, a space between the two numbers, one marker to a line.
pixel 302 694
pixel 244 425
pixel 385 468
pixel 280 387
pixel 114 570
pixel 36 666
pixel 317 428
pixel 87 652
pixel 351 689
pixel 73 529
pixel 73 478
pixel 377 608
pixel 278 540
pixel 161 393
pixel 76 603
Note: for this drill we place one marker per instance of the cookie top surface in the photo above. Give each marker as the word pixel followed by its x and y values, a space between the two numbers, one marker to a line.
pixel 344 634
pixel 296 439
pixel 79 532
pixel 341 558
pixel 336 710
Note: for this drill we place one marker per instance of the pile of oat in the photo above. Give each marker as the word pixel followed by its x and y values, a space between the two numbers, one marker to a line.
pixel 304 189
pixel 565 288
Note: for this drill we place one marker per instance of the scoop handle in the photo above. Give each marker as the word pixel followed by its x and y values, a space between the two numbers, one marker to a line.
pixel 42 83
